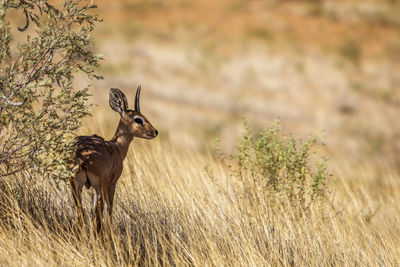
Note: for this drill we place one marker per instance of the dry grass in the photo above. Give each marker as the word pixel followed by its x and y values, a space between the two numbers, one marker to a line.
pixel 169 212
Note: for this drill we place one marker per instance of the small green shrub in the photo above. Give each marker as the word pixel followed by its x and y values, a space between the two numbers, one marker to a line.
pixel 260 33
pixel 351 51
pixel 276 169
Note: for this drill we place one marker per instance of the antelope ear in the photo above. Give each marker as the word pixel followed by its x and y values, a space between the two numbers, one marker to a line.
pixel 118 101
pixel 137 98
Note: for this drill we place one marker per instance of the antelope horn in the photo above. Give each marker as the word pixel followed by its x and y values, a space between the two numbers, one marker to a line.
pixel 137 106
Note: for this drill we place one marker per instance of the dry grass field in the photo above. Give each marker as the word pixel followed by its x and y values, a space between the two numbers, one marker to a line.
pixel 169 212
pixel 327 67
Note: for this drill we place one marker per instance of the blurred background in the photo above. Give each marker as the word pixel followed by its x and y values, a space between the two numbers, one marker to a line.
pixel 330 67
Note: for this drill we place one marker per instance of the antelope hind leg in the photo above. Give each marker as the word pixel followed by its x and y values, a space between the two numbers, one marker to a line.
pixel 76 188
pixel 98 206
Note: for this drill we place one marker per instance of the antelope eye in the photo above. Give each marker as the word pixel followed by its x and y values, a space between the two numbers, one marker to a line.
pixel 139 120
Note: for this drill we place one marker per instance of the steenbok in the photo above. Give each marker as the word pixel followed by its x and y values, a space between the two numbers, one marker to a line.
pixel 100 161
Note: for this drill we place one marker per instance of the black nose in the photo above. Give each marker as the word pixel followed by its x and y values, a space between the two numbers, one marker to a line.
pixel 155 132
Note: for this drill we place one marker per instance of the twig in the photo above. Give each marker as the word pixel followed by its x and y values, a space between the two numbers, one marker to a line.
pixel 11 102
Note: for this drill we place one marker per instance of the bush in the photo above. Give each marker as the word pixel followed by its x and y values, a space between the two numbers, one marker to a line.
pixel 40 109
pixel 275 169
pixel 351 51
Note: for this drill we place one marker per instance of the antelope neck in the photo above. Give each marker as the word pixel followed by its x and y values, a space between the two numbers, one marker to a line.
pixel 122 138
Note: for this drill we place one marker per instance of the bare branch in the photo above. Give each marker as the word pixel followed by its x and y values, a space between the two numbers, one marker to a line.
pixel 26 23
pixel 11 102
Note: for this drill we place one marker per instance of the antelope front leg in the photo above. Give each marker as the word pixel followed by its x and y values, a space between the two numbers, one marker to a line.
pixel 110 200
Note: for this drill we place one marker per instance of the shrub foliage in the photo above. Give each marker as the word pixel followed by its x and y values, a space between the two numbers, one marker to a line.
pixel 40 108
pixel 275 169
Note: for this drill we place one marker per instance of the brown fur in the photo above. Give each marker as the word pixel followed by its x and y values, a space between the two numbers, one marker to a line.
pixel 100 161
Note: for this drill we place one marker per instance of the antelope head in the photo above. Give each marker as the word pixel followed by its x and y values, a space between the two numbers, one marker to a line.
pixel 132 122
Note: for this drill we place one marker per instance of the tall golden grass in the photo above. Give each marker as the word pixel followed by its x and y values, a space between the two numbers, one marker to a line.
pixel 168 211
